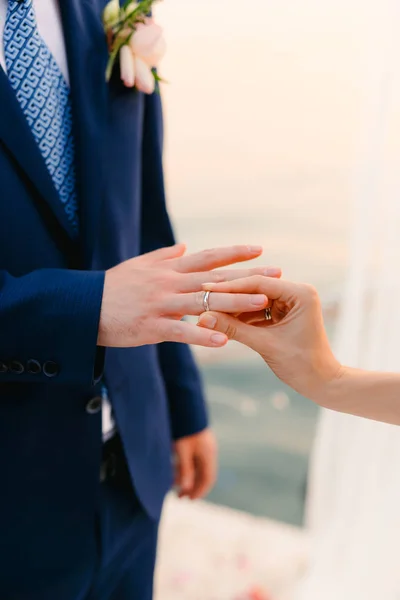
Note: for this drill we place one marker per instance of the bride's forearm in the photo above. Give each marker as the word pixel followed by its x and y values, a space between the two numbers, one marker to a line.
pixel 368 394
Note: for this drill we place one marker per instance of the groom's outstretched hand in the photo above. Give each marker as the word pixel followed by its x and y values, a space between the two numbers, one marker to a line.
pixel 145 298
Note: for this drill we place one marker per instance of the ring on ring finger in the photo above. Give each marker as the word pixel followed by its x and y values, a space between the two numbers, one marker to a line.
pixel 206 301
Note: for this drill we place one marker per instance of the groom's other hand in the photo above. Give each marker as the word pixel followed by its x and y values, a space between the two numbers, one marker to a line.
pixel 196 464
pixel 145 298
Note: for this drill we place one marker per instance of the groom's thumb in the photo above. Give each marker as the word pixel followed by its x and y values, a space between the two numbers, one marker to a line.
pixel 233 328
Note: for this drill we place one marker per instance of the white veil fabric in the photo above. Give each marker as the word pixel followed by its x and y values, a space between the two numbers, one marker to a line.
pixel 353 509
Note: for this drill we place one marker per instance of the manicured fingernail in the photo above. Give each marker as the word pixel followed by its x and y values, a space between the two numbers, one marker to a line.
pixel 272 272
pixel 218 339
pixel 208 321
pixel 255 249
pixel 258 300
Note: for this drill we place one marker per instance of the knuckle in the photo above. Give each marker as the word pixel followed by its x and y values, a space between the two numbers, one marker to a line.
pixel 172 276
pixel 311 292
pixel 218 276
pixel 162 277
pixel 160 330
pixel 180 281
pixel 152 302
pixel 257 281
pixel 158 292
pixel 231 331
pixel 210 254
pixel 177 333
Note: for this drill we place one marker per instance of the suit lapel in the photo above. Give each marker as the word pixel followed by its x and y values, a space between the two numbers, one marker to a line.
pixel 87 57
pixel 17 136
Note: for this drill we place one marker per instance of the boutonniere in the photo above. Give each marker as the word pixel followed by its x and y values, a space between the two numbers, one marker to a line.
pixel 136 41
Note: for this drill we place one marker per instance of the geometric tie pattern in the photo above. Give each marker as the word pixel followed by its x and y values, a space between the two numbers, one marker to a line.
pixel 44 97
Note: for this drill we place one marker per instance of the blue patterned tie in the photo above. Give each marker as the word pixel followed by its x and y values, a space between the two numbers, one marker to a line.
pixel 44 97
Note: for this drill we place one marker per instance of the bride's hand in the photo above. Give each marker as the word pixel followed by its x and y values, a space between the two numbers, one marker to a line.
pixel 294 343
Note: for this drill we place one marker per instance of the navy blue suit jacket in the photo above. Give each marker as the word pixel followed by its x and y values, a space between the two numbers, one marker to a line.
pixel 50 297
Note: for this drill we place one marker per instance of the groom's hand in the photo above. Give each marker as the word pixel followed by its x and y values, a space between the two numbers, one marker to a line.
pixel 196 464
pixel 146 297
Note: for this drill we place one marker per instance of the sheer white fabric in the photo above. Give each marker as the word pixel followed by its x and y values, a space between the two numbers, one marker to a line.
pixel 353 507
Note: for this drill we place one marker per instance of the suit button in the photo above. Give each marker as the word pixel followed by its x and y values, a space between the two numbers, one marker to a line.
pixel 94 405
pixel 51 369
pixel 33 367
pixel 16 367
pixel 3 367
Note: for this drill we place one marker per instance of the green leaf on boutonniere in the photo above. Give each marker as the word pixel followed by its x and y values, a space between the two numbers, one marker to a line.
pixel 120 24
pixel 110 64
pixel 158 78
pixel 127 3
pixel 139 14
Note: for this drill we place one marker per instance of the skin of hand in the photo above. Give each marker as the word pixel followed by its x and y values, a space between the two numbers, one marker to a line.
pixel 145 298
pixel 294 343
pixel 195 464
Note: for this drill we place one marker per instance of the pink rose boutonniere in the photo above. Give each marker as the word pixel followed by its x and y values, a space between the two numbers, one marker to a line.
pixel 136 41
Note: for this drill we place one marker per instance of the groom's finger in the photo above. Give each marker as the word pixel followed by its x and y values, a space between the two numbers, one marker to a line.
pixel 162 254
pixel 185 468
pixel 188 333
pixel 193 304
pixel 208 260
pixel 194 281
pixel 206 475
pixel 275 289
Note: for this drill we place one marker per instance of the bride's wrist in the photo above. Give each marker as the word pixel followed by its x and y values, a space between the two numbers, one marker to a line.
pixel 329 386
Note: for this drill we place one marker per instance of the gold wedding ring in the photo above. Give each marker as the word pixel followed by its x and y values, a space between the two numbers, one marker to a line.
pixel 206 301
pixel 268 315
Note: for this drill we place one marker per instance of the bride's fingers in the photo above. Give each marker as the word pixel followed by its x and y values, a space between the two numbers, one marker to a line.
pixel 257 318
pixel 234 329
pixel 251 318
pixel 278 311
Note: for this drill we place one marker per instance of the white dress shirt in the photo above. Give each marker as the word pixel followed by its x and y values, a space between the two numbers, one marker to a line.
pixel 50 27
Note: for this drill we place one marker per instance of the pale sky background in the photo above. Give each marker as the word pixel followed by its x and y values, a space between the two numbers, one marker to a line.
pixel 264 114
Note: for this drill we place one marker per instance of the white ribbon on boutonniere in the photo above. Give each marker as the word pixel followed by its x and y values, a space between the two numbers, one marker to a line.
pixel 136 40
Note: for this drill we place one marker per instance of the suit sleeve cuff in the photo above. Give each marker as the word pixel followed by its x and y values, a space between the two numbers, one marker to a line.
pixel 188 412
pixel 49 328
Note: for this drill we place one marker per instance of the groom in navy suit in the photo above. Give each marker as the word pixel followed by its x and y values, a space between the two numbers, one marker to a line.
pixel 90 408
